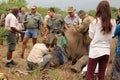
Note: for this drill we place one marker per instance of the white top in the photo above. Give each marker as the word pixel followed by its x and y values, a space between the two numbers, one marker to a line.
pixel 37 52
pixel 100 44
pixel 11 21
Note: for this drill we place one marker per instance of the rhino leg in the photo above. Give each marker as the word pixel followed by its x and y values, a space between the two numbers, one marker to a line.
pixel 79 64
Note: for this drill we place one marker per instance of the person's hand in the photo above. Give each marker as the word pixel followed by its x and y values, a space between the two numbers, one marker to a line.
pixel 73 29
pixel 44 37
pixel 21 32
pixel 75 24
pixel 25 22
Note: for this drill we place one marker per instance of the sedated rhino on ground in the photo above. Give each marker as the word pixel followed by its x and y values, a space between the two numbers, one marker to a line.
pixel 77 51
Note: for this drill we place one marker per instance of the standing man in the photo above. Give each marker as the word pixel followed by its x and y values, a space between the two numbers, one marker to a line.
pixel 55 24
pixel 84 27
pixel 11 23
pixel 32 22
pixel 71 19
pixel 21 20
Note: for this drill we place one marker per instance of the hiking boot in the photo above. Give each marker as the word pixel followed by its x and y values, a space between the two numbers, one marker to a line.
pixel 45 75
pixel 13 62
pixel 22 55
pixel 9 64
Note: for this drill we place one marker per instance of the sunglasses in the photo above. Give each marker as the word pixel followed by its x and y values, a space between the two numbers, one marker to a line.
pixel 32 9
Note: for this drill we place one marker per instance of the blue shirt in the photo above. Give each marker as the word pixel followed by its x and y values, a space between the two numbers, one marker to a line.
pixel 117 33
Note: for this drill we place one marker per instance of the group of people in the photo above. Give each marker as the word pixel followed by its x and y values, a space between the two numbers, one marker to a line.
pixel 98 33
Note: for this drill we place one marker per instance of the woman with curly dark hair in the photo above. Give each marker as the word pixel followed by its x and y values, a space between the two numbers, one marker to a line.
pixel 100 31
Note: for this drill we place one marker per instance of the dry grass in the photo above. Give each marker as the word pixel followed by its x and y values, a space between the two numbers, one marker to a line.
pixel 61 73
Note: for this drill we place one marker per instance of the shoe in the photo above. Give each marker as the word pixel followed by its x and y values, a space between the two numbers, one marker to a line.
pixel 22 55
pixel 45 75
pixel 13 62
pixel 10 65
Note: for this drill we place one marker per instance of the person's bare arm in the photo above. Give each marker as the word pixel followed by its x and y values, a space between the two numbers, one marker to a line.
pixel 16 30
pixel 66 26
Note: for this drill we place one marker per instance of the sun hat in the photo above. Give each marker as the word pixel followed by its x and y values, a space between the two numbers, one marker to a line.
pixel 70 9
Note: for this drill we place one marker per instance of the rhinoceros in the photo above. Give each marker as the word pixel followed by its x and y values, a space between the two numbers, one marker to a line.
pixel 77 52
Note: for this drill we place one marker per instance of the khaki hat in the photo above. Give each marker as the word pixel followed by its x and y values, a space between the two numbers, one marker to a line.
pixel 70 9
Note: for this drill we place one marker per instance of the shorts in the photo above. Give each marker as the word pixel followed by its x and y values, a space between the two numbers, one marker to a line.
pixel 11 41
pixel 31 33
pixel 51 38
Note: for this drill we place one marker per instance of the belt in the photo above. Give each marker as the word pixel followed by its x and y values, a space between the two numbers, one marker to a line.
pixel 33 28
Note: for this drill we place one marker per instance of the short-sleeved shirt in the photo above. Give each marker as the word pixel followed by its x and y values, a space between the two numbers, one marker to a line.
pixel 11 21
pixel 34 21
pixel 56 23
pixel 21 20
pixel 69 21
pixel 21 17
pixel 37 52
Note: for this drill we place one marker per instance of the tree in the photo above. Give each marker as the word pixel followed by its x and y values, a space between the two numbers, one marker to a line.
pixel 5 5
pixel 113 12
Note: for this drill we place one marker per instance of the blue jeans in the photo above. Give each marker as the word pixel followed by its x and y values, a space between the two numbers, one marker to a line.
pixel 46 61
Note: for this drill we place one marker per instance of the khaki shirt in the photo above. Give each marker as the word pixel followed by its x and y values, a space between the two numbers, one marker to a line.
pixel 56 23
pixel 37 53
pixel 33 21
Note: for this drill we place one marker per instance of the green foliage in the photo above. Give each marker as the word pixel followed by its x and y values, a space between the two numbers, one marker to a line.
pixel 5 5
pixel 43 11
pixel 3 31
pixel 92 13
pixel 113 11
pixel 59 11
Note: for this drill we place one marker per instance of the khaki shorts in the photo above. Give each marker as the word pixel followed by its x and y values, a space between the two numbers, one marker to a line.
pixel 11 41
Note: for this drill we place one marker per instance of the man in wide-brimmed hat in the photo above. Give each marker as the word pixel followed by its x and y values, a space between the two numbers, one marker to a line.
pixel 71 19
pixel 71 9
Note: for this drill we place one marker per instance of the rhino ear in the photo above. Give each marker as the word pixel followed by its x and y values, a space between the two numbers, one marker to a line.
pixel 62 32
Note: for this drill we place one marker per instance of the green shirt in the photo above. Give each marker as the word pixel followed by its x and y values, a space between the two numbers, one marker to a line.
pixel 83 28
pixel 34 21
pixel 56 23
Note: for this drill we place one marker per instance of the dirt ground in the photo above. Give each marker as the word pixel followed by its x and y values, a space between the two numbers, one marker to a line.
pixel 61 73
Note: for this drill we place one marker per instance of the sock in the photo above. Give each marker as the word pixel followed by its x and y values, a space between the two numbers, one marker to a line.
pixel 9 60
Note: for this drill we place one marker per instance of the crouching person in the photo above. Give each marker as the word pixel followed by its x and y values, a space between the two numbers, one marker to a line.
pixel 39 57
